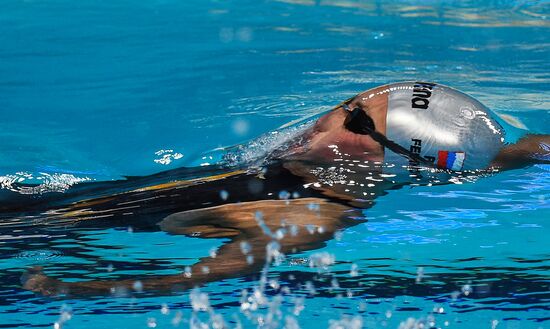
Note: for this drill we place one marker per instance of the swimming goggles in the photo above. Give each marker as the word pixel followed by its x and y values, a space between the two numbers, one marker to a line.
pixel 359 122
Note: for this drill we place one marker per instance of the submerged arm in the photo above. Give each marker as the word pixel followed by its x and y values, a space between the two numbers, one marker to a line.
pixel 529 150
pixel 254 223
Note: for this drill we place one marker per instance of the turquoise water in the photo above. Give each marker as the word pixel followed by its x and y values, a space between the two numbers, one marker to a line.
pixel 98 90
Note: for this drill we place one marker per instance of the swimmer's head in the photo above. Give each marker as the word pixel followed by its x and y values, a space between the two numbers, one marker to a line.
pixel 421 123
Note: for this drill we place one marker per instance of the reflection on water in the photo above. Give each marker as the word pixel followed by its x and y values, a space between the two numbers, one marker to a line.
pixel 516 16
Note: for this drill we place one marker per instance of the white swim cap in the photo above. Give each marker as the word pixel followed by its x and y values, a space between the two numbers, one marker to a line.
pixel 440 124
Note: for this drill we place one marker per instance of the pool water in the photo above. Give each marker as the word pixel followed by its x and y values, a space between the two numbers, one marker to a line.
pixel 98 90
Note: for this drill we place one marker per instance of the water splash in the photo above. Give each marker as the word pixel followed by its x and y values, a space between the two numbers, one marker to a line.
pixel 272 145
pixel 167 156
pixel 321 260
pixel 65 314
pixel 28 183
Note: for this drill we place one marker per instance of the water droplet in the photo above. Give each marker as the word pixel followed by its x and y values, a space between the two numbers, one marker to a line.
pixel 313 206
pixel 226 34
pixel 310 288
pixel 354 270
pixel 213 252
pixel 244 34
pixel 66 313
pixel 245 247
pixel 240 127
pixel 199 300
pixel 274 254
pixel 321 260
pixel 419 274
pixel 119 291
pixel 454 295
pixel 245 306
pixel 467 289
pixel 291 322
pixel 177 318
pixel 274 284
pixel 284 195
pixel 347 322
pixel 294 230
pixel 137 286
pixel 280 234
pixel 151 322
pixel 299 305
pixel 187 272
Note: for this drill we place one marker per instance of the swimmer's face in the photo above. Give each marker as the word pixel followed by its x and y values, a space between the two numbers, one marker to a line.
pixel 331 138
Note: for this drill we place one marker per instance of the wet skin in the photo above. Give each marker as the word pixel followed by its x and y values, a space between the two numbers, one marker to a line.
pixel 330 130
pixel 187 202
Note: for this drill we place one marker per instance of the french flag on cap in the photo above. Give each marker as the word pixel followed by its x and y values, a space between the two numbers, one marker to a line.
pixel 450 160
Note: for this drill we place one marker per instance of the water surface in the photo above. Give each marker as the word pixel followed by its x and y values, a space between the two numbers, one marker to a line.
pixel 95 90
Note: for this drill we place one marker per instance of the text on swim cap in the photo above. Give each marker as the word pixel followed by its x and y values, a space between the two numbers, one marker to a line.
pixel 416 148
pixel 421 95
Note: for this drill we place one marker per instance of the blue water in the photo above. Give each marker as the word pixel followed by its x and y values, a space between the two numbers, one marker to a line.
pixel 97 90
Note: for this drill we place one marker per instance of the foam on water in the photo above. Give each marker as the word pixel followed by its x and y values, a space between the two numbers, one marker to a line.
pixel 28 183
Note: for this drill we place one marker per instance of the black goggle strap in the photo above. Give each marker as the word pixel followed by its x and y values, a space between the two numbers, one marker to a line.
pixel 360 122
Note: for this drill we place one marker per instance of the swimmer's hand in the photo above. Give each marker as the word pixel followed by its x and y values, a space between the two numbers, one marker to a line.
pixel 36 281
pixel 529 150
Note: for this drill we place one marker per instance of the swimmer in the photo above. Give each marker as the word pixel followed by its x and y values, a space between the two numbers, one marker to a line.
pixel 313 183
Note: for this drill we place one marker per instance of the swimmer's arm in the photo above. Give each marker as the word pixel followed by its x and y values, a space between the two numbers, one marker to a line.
pixel 529 150
pixel 229 263
pixel 236 222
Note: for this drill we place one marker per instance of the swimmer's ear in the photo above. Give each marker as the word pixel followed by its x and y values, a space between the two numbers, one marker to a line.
pixel 359 122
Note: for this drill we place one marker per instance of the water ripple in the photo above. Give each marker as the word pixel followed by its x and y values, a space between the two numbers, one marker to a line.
pixel 38 256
